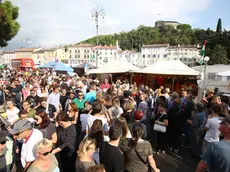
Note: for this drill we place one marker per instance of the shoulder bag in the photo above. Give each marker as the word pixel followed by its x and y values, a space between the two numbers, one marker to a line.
pixel 158 127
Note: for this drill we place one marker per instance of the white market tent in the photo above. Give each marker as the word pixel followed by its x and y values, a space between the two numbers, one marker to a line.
pixel 114 66
pixel 168 67
pixel 226 73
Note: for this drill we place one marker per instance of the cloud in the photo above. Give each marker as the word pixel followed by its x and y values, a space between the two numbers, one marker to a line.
pixel 56 22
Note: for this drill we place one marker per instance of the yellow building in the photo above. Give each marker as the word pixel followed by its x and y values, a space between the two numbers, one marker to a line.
pixel 24 53
pixel 61 55
pixel 38 57
pixel 49 55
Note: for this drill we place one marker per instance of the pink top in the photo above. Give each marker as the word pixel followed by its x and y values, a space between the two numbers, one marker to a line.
pixel 25 93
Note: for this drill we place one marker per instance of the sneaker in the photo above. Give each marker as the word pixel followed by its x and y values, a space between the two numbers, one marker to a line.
pixel 176 151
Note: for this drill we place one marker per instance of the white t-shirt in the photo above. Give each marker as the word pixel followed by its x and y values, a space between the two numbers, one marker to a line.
pixel 213 132
pixel 83 119
pixel 91 119
pixel 54 99
pixel 27 153
pixel 12 115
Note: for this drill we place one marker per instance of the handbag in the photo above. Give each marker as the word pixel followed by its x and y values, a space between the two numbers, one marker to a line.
pixel 158 127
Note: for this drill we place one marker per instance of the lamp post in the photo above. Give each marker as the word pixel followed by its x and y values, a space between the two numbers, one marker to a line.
pixel 96 14
pixel 204 86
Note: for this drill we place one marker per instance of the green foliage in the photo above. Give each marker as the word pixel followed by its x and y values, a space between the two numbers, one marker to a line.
pixel 218 55
pixel 219 26
pixel 184 34
pixel 8 25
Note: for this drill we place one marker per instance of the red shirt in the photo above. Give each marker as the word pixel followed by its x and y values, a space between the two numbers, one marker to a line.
pixel 105 86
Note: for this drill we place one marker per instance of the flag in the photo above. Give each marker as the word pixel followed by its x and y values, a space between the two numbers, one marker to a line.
pixel 202 53
pixel 92 54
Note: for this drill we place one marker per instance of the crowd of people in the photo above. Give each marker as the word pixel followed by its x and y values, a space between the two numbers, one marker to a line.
pixel 57 122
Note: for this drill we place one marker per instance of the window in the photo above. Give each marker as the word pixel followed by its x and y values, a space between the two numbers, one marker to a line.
pixel 75 51
pixel 87 56
pixel 105 53
pixel 78 56
pixel 69 56
pixel 84 56
pixel 70 51
pixel 88 51
pixel 78 51
pixel 154 55
pixel 165 55
pixel 143 56
pixel 100 58
pixel 75 56
pixel 111 53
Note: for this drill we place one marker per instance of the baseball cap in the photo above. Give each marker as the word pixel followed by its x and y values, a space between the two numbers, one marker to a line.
pixel 138 115
pixel 20 126
pixel 2 136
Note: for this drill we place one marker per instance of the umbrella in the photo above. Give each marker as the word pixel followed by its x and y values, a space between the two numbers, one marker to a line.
pixel 2 66
pixel 58 66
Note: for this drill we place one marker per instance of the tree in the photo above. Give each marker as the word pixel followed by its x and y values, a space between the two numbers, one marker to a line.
pixel 8 25
pixel 218 55
pixel 219 26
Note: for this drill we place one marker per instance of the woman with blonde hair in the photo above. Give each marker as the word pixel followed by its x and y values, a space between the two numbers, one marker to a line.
pixel 85 152
pixel 115 111
pixel 45 162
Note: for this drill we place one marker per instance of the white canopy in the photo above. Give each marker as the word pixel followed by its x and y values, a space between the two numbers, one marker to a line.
pixel 226 73
pixel 115 66
pixel 168 67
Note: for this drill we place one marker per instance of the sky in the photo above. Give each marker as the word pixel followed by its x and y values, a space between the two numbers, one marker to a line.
pixel 49 23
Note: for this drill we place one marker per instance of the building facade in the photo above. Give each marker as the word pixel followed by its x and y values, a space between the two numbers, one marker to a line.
pixel 77 54
pixel 151 53
pixel 38 57
pixel 162 23
pixel 8 56
pixel 103 54
pixel 61 55
pixel 49 55
pixel 189 54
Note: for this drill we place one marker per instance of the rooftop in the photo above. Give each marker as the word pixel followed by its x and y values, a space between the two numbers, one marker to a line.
pixel 82 45
pixel 155 45
pixel 184 46
pixel 8 51
pixel 105 47
pixel 25 50
pixel 159 21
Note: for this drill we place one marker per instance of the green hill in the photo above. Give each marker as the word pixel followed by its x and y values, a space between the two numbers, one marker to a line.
pixel 184 34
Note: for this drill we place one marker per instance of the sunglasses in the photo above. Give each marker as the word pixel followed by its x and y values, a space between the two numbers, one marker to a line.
pixel 46 153
pixel 80 95
pixel 3 142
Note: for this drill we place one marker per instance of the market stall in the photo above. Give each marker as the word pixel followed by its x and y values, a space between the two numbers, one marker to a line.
pixel 170 73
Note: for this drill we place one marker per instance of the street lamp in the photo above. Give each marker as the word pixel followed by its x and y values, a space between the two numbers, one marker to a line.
pixel 206 59
pixel 96 14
